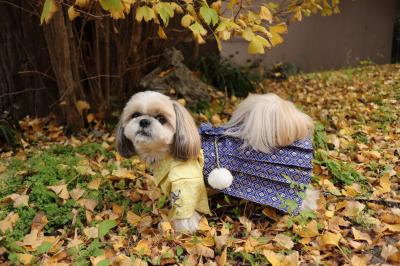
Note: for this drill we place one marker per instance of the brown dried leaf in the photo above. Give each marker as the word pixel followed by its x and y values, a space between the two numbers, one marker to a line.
pixel 358 235
pixel 7 223
pixel 39 221
pixel 284 241
pixel 60 190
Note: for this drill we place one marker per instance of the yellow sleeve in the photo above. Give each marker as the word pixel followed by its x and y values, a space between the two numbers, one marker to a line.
pixel 187 196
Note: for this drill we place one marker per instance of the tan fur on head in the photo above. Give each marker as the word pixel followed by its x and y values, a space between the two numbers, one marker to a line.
pixel 187 143
pixel 267 121
pixel 169 130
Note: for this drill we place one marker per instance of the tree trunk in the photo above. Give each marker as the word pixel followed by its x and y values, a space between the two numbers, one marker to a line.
pixel 64 61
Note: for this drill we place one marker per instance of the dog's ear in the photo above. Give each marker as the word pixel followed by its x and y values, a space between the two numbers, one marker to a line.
pixel 187 143
pixel 123 144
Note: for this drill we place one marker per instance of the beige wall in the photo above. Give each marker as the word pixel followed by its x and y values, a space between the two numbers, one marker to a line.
pixel 363 30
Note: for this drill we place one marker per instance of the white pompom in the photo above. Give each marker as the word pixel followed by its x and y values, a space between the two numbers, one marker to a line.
pixel 220 178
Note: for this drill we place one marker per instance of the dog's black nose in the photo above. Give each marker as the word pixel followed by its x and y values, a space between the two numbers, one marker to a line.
pixel 144 122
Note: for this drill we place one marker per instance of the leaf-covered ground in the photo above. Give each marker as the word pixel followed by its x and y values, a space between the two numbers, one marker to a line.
pixel 73 200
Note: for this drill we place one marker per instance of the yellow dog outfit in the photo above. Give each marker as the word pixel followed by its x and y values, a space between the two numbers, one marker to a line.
pixel 184 182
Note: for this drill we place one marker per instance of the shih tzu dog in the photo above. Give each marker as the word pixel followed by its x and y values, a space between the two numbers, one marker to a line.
pixel 263 154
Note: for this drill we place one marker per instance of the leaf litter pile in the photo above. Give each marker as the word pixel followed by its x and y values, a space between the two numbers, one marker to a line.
pixel 74 200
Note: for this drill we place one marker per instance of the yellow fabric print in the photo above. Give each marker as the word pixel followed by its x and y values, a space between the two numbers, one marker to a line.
pixel 183 181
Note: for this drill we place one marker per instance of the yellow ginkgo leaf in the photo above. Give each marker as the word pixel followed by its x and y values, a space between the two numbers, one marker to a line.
pixel 161 33
pixel 60 190
pixel 49 8
pixel 72 13
pixel 95 183
pixel 358 235
pixel 132 218
pixel 329 238
pixel 187 20
pixel 82 3
pixel 284 241
pixel 309 230
pixel 265 14
pixel 82 106
pixel 142 248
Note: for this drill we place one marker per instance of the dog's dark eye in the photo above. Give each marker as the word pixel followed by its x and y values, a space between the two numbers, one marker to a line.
pixel 161 119
pixel 136 114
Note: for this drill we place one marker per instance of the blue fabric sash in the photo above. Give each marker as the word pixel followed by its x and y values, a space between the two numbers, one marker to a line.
pixel 277 179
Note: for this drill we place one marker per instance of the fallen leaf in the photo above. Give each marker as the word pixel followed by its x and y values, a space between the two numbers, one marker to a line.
pixel 142 248
pixel 76 193
pixel 122 173
pixel 60 190
pixel 203 225
pixel 329 238
pixel 8 223
pixel 359 260
pixel 384 183
pixel 39 221
pixel 310 230
pixel 91 232
pixel 89 204
pixel 387 251
pixel 25 258
pixel 284 241
pixel 204 251
pixel 358 235
pixel 132 218
pixel 353 209
pixel 121 260
pixel 82 106
pixel 277 259
pixel 223 258
pixel 21 200
pixel 393 227
pixel 95 183
pixel 246 222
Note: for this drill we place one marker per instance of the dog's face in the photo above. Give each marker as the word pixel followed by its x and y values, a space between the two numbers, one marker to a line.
pixel 154 126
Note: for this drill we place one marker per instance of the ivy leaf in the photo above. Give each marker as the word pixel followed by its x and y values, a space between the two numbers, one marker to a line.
pixel 105 262
pixel 49 8
pixel 43 248
pixel 209 15
pixel 105 226
pixel 146 13
pixel 166 11
pixel 115 7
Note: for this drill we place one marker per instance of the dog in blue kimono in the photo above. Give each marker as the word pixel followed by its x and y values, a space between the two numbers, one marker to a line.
pixel 163 134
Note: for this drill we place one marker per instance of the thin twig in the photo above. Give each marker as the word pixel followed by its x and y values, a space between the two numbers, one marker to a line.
pixel 100 76
pixel 37 72
pixel 20 92
pixel 19 7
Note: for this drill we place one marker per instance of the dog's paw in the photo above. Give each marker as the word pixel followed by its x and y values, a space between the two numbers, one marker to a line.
pixel 310 200
pixel 189 225
pixel 220 178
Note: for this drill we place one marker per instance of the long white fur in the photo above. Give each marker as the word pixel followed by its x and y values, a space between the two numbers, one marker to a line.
pixel 267 121
pixel 189 225
pixel 310 200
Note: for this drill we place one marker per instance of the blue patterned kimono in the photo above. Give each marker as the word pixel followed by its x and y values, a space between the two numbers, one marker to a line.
pixel 277 179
